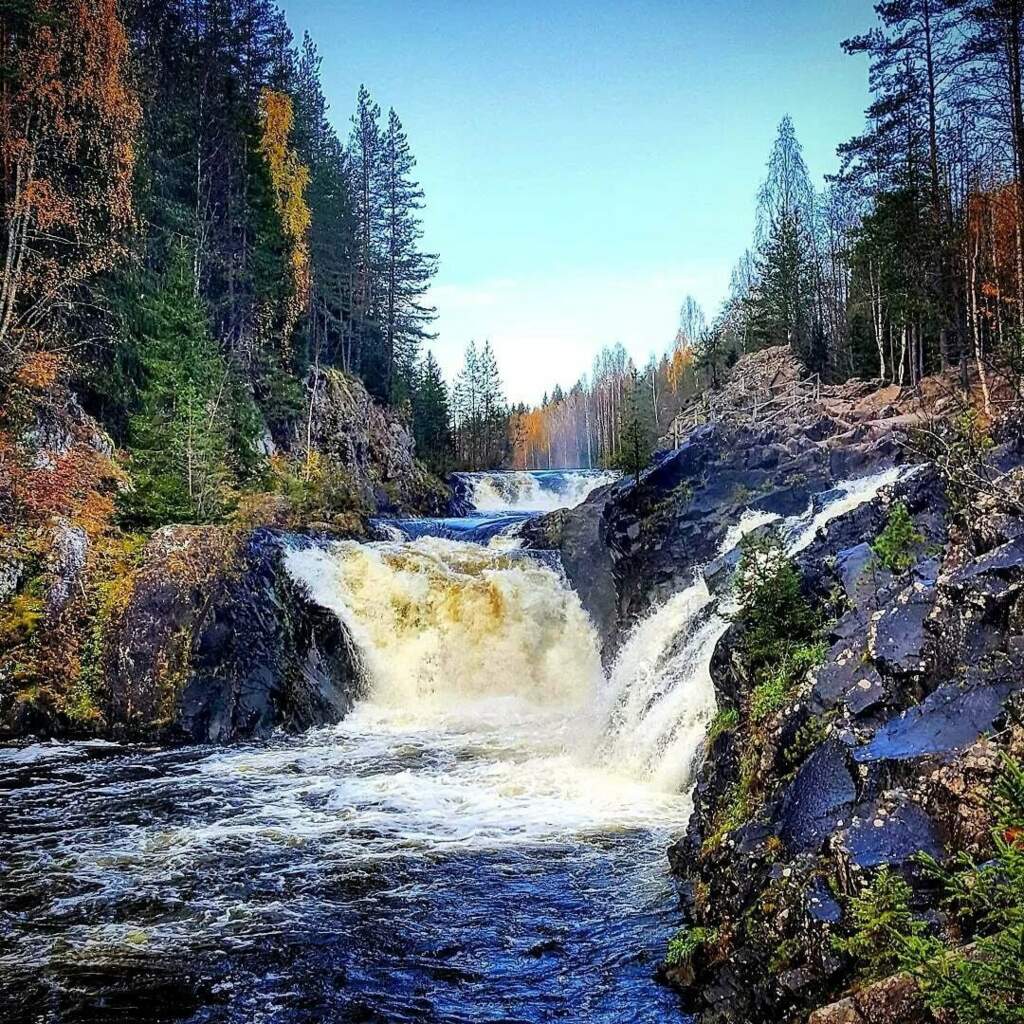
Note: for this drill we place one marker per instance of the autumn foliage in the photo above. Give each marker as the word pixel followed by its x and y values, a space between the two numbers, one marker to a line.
pixel 290 179
pixel 68 123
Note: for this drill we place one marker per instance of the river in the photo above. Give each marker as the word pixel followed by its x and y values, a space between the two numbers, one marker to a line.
pixel 460 848
pixel 481 840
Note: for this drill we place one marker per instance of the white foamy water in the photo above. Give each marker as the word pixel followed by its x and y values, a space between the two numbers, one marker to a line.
pixel 485 661
pixel 541 491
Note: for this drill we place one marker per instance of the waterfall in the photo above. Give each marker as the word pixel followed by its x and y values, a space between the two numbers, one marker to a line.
pixel 455 634
pixel 660 696
pixel 454 628
pixel 540 491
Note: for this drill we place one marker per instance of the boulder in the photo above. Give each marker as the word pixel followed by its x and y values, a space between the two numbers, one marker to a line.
pixel 216 643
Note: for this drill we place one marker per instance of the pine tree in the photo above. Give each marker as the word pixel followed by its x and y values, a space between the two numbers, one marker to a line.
pixel 332 236
pixel 407 271
pixel 192 432
pixel 636 427
pixel 366 168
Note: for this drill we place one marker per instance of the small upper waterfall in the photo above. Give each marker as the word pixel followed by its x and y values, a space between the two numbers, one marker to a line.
pixel 536 491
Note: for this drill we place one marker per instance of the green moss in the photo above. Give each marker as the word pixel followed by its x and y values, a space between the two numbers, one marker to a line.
pixel 738 808
pixel 785 955
pixel 808 738
pixel 778 684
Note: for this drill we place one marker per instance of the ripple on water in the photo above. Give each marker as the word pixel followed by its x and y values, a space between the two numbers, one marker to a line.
pixel 372 872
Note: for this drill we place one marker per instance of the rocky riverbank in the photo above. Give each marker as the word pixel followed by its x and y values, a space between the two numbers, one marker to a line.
pixel 889 744
pixel 188 633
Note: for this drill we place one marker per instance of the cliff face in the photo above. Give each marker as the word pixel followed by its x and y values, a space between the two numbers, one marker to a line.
pixel 888 747
pixel 351 434
pixel 215 643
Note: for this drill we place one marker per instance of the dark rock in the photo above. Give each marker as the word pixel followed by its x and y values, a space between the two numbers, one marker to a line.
pixel 368 445
pixel 821 905
pixel 217 643
pixel 899 640
pixel 816 799
pixel 889 833
pixel 995 574
pixel 948 720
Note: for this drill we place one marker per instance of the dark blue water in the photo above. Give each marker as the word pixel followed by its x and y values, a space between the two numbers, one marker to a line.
pixel 231 886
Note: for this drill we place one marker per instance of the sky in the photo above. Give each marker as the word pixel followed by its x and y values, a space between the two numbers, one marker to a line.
pixel 588 163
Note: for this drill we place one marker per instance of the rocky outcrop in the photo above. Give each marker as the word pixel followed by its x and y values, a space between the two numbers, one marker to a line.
pixel 887 753
pixel 372 446
pixel 890 747
pixel 216 643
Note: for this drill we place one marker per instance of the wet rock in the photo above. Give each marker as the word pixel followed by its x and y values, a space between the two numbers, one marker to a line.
pixel 949 719
pixel 860 573
pixel 817 799
pixel 218 644
pixel 889 832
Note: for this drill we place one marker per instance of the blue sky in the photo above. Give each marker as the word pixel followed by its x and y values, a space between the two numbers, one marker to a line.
pixel 587 164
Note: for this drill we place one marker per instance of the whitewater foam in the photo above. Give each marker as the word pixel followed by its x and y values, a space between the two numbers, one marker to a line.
pixel 541 491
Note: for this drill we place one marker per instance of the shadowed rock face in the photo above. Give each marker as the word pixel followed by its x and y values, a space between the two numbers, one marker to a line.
pixel 819 797
pixel 218 644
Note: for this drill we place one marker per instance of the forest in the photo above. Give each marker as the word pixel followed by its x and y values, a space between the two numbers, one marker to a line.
pixel 908 261
pixel 189 240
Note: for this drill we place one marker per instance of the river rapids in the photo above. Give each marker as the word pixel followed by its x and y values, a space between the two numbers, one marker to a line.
pixel 481 840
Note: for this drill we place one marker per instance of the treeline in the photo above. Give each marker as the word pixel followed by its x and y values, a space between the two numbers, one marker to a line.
pixel 908 261
pixel 613 417
pixel 188 235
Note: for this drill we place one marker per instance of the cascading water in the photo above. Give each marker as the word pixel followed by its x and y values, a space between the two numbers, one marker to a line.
pixel 481 839
pixel 536 491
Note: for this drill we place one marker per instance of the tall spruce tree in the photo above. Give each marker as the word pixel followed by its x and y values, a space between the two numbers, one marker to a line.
pixel 407 271
pixel 781 304
pixel 192 431
pixel 432 427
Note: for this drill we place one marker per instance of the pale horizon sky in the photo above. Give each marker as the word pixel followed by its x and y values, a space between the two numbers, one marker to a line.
pixel 588 164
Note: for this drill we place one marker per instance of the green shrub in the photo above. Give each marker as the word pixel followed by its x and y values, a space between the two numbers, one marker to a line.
pixel 896 546
pixel 686 942
pixel 979 984
pixel 725 720
pixel 882 924
pixel 775 616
